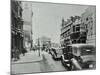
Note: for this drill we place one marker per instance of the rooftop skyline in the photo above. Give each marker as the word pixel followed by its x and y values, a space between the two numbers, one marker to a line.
pixel 47 18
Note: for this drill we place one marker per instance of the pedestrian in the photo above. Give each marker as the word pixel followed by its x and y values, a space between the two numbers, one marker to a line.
pixel 17 53
pixel 24 51
pixel 12 53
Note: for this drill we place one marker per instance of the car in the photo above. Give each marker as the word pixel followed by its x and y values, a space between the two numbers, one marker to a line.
pixel 66 57
pixel 56 53
pixel 79 56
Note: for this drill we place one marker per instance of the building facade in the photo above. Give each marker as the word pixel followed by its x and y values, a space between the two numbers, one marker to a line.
pixel 44 42
pixel 65 32
pixel 27 25
pixel 81 29
pixel 72 31
pixel 89 21
pixel 16 26
pixel 55 45
pixel 78 33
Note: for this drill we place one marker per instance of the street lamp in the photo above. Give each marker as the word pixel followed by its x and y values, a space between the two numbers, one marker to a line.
pixel 39 46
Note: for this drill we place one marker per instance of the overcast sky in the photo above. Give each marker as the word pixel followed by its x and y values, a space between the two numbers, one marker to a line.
pixel 47 18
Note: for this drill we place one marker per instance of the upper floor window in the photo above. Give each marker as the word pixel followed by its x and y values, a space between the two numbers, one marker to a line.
pixel 73 28
pixel 77 28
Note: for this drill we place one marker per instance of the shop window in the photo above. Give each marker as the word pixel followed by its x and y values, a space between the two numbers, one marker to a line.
pixel 83 41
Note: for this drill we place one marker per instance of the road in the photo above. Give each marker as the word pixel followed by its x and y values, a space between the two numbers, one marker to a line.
pixel 35 64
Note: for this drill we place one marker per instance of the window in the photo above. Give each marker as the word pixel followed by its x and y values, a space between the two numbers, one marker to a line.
pixel 82 26
pixel 87 50
pixel 74 41
pixel 83 41
pixel 75 50
pixel 73 28
pixel 77 28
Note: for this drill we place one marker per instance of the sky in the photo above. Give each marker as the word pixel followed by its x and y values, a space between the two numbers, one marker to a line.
pixel 47 18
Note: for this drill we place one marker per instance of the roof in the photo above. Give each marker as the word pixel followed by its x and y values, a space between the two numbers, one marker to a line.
pixel 80 45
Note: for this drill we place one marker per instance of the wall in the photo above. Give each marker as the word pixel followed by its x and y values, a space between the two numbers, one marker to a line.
pixel 89 20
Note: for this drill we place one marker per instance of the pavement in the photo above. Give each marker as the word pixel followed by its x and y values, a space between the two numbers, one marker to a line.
pixel 32 63
pixel 31 56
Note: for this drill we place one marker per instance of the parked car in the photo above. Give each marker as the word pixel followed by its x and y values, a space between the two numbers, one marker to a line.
pixel 56 53
pixel 79 56
pixel 66 57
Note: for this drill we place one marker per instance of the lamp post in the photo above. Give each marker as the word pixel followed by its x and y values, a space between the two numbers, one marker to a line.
pixel 39 46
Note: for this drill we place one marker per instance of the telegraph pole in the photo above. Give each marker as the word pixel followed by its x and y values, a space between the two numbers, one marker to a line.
pixel 31 27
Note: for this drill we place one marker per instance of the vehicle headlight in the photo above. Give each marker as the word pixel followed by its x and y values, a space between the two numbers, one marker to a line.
pixel 68 64
pixel 91 66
